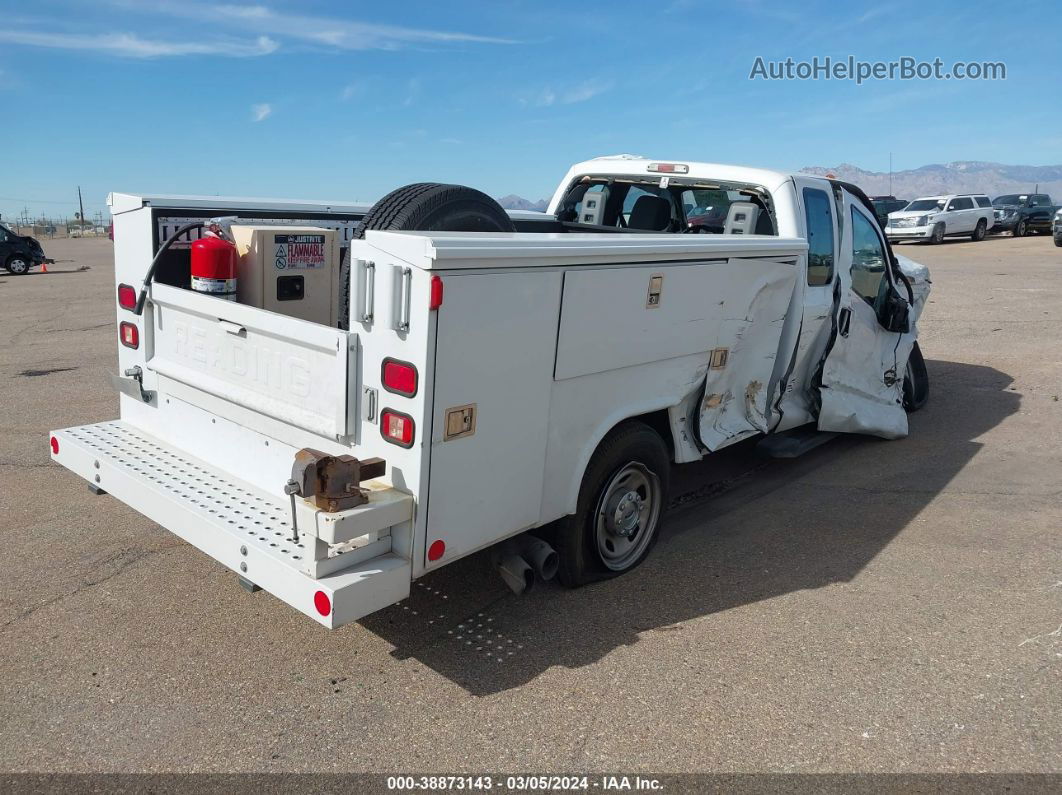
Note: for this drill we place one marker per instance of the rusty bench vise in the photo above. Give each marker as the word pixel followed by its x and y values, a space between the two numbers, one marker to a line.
pixel 331 482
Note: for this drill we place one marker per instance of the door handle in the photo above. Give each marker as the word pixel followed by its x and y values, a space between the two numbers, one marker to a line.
pixel 367 277
pixel 405 297
pixel 232 328
pixel 844 321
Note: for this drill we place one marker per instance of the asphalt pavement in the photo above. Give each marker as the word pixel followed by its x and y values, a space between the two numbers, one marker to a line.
pixel 872 606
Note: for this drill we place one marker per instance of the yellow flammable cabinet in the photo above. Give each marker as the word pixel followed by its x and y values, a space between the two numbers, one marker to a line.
pixel 290 270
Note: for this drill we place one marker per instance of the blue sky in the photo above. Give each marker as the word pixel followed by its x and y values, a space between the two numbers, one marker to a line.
pixel 345 101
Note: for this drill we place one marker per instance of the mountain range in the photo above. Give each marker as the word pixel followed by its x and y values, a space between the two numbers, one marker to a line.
pixel 962 176
pixel 514 202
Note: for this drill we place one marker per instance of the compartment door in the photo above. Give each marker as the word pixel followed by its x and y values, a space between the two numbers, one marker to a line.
pixel 495 341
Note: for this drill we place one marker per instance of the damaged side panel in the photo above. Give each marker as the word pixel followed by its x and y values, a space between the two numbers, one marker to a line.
pixel 753 311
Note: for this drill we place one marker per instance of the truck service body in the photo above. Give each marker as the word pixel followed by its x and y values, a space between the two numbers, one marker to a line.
pixel 490 370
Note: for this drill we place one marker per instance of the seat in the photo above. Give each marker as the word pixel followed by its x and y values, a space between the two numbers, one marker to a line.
pixel 741 218
pixel 652 213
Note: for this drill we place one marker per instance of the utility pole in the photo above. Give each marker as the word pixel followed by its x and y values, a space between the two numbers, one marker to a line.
pixel 81 204
pixel 890 173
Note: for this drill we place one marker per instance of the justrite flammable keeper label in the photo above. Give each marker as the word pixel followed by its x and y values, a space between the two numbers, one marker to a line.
pixel 296 252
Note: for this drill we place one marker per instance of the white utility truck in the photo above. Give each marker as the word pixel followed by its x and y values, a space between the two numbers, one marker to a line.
pixel 459 376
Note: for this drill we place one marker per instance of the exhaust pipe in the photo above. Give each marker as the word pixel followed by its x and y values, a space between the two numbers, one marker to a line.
pixel 540 555
pixel 519 560
pixel 516 573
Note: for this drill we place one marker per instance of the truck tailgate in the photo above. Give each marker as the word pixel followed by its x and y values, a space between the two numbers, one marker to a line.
pixel 292 370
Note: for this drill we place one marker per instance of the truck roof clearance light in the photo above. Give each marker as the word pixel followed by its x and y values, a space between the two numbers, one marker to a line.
pixel 129 335
pixel 322 603
pixel 399 377
pixel 669 168
pixel 126 296
pixel 396 427
pixel 436 294
pixel 436 550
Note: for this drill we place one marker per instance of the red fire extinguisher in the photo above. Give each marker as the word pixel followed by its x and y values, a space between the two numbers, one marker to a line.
pixel 214 265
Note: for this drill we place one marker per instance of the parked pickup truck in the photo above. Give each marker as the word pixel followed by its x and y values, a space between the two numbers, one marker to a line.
pixel 492 374
pixel 19 253
pixel 1022 213
pixel 932 218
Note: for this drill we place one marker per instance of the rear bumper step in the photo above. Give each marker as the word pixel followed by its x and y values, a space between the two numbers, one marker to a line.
pixel 243 528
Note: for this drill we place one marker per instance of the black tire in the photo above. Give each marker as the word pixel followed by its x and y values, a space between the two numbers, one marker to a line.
pixel 1058 241
pixel 938 235
pixel 1020 228
pixel 17 265
pixel 979 231
pixel 433 207
pixel 631 447
pixel 915 381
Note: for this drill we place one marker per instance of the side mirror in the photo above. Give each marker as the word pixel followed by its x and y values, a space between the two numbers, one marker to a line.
pixel 894 313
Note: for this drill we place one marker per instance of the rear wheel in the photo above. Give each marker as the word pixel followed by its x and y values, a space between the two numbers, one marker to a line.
pixel 621 501
pixel 18 265
pixel 979 232
pixel 915 381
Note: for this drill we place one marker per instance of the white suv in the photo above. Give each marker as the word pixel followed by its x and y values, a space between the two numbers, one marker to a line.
pixel 935 217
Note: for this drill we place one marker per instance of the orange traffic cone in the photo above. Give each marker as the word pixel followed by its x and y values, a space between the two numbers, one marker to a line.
pixel 44 267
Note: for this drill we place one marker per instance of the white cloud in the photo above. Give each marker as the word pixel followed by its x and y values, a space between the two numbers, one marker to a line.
pixel 261 112
pixel 334 32
pixel 584 91
pixel 130 45
pixel 568 96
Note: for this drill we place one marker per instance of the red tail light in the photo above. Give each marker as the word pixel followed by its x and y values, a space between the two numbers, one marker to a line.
pixel 55 446
pixel 126 297
pixel 436 550
pixel 436 294
pixel 399 377
pixel 129 335
pixel 396 427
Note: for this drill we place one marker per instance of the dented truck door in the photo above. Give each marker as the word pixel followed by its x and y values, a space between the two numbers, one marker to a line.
pixel 862 375
pixel 750 300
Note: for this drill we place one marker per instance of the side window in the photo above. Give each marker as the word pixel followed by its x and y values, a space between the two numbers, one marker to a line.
pixel 819 217
pixel 868 258
pixel 962 204
pixel 1040 200
pixel 982 201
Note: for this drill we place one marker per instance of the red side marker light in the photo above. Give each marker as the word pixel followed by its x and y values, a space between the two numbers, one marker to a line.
pixel 436 293
pixel 55 446
pixel 126 297
pixel 129 335
pixel 322 603
pixel 436 550
pixel 399 377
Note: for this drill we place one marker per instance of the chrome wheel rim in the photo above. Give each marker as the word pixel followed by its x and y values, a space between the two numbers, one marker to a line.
pixel 626 516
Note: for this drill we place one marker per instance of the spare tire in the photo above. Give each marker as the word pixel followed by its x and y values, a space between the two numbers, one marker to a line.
pixel 434 207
